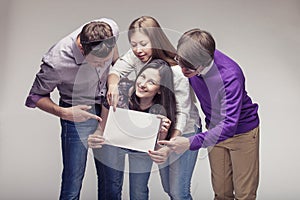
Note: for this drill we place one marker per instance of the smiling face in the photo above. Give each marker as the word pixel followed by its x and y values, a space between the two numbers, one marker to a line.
pixel 148 85
pixel 141 46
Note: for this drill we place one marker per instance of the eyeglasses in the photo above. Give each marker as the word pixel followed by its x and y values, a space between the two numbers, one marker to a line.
pixel 189 69
pixel 109 43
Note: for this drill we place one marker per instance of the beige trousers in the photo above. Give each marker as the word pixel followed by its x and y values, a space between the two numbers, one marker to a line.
pixel 234 166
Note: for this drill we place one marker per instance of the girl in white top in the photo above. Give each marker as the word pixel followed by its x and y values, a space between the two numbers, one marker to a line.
pixel 148 41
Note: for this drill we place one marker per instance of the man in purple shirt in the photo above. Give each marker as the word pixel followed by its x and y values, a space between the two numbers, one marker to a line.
pixel 232 121
pixel 78 67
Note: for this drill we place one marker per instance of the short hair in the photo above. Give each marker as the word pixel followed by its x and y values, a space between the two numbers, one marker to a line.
pixel 165 102
pixel 97 38
pixel 196 48
pixel 162 48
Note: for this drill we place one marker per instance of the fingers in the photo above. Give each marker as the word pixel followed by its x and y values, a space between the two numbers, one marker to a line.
pixel 165 124
pixel 166 142
pixel 157 157
pixel 96 117
pixel 113 99
pixel 84 107
pixel 95 141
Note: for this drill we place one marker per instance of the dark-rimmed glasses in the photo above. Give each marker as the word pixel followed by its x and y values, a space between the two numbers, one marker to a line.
pixel 189 69
pixel 109 43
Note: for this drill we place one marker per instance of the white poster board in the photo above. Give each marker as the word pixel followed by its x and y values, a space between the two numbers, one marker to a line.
pixel 131 129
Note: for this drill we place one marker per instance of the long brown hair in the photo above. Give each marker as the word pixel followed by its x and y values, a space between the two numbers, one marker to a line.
pixel 164 103
pixel 161 46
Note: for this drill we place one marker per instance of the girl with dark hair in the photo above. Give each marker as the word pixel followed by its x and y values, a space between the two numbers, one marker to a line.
pixel 153 92
pixel 148 41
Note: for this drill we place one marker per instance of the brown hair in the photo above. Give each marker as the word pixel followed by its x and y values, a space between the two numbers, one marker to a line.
pixel 161 46
pixel 196 48
pixel 97 38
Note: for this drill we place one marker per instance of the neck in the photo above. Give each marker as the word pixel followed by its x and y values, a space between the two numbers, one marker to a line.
pixel 145 103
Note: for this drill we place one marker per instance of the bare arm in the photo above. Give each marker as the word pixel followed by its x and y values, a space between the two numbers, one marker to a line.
pixel 116 54
pixel 113 90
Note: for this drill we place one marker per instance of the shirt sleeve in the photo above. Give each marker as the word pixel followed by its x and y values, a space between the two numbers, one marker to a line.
pixel 231 104
pixel 125 65
pixel 45 82
pixel 183 101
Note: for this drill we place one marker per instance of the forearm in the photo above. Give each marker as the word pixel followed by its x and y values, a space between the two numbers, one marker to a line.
pixel 113 80
pixel 115 54
pixel 47 105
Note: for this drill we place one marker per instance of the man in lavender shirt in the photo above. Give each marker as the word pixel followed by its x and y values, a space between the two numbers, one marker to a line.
pixel 232 121
pixel 78 67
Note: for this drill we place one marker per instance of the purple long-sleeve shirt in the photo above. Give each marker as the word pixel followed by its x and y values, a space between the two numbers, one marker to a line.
pixel 227 107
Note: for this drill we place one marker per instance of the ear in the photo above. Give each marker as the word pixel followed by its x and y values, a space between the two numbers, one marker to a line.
pixel 79 45
pixel 81 48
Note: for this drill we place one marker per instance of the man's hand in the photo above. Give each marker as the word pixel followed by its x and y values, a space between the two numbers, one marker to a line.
pixel 159 156
pixel 78 113
pixel 95 141
pixel 177 144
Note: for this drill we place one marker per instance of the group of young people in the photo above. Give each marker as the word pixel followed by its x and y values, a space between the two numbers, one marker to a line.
pixel 86 68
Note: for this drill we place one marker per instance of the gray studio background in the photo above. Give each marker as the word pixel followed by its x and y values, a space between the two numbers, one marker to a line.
pixel 262 36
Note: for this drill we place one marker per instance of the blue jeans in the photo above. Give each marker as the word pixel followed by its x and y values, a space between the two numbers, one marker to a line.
pixel 176 173
pixel 74 153
pixel 140 165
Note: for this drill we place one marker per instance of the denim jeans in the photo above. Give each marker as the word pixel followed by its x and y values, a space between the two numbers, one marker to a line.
pixel 140 165
pixel 74 153
pixel 176 173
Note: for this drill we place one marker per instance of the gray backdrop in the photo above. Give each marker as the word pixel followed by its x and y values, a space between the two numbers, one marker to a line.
pixel 262 36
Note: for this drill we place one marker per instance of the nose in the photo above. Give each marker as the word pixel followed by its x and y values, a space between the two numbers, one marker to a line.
pixel 142 84
pixel 139 48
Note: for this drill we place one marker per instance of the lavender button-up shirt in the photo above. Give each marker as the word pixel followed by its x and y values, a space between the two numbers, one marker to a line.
pixel 64 67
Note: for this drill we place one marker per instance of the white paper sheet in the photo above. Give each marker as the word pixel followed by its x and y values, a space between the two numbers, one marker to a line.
pixel 131 129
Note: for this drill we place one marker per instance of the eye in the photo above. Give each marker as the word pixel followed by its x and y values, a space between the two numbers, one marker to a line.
pixel 142 76
pixel 133 44
pixel 144 44
pixel 152 82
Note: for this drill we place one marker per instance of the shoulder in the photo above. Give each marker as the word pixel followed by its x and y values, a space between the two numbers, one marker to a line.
pixel 61 51
pixel 130 58
pixel 177 73
pixel 227 67
pixel 178 77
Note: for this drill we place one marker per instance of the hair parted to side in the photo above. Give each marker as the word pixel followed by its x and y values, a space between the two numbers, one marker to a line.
pixel 97 38
pixel 165 101
pixel 162 48
pixel 196 48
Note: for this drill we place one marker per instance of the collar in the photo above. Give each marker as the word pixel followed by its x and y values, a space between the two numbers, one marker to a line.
pixel 206 69
pixel 79 57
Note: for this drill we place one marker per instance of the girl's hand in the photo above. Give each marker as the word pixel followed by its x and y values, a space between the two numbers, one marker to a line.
pixel 95 140
pixel 164 127
pixel 159 156
pixel 113 96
